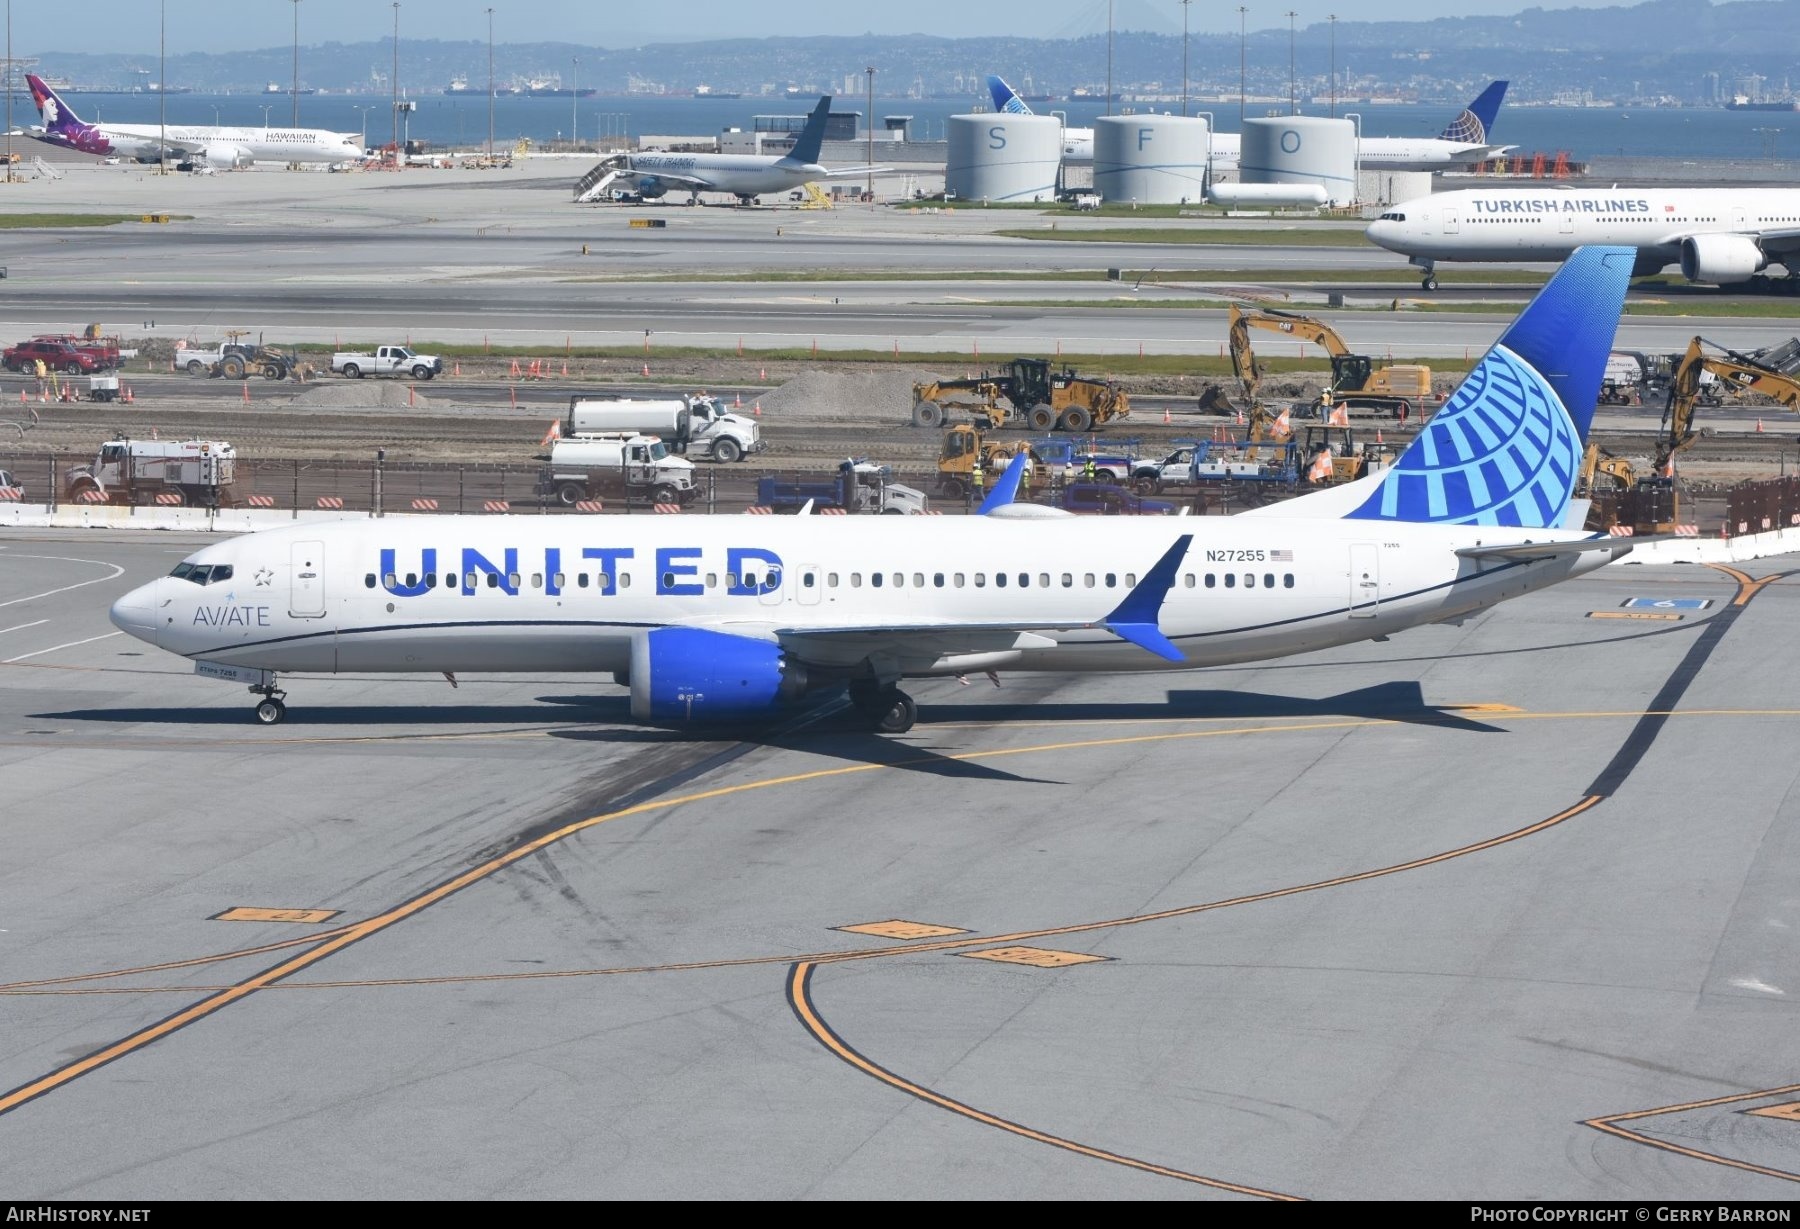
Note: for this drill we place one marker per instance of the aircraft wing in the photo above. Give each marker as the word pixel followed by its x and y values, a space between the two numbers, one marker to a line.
pixel 1528 551
pixel 1775 239
pixel 846 171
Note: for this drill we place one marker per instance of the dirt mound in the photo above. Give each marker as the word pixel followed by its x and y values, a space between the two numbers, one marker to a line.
pixel 846 396
pixel 361 395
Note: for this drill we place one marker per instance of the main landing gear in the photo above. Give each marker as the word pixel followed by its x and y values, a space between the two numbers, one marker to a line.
pixel 272 709
pixel 885 706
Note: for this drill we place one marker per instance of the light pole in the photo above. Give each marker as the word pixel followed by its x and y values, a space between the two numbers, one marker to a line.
pixel 9 92
pixel 1243 45
pixel 1293 97
pixel 1109 55
pixel 1332 18
pixel 265 117
pixel 490 147
pixel 870 188
pixel 162 88
pixel 399 161
pixel 575 106
pixel 215 108
pixel 364 112
pixel 296 86
pixel 1184 55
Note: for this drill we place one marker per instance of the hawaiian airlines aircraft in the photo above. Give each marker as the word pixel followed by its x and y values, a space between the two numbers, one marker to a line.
pixel 738 617
pixel 215 146
pixel 1463 140
pixel 1719 236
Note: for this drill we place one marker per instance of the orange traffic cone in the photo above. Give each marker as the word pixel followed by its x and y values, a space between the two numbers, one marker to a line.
pixel 762 373
pixel 565 369
pixel 1166 419
pixel 515 369
pixel 1759 429
pixel 246 387
pixel 737 402
pixel 646 369
pixel 758 409
pixel 458 368
pixel 1378 438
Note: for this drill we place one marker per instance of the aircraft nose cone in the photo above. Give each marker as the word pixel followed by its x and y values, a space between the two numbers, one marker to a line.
pixel 1381 234
pixel 135 613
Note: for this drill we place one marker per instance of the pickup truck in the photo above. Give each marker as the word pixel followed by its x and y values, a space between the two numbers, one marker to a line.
pixel 387 361
pixel 1214 463
pixel 1115 463
pixel 57 355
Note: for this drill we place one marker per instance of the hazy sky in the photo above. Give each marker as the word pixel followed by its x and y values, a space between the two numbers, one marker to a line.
pixel 230 25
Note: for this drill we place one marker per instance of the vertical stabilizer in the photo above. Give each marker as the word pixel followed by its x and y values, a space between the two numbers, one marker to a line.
pixel 812 137
pixel 1005 98
pixel 1475 126
pixel 59 121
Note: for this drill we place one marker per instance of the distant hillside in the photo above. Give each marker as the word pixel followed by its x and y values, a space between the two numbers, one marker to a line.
pixel 1657 46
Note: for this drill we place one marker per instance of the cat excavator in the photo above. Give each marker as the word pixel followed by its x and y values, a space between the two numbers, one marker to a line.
pixel 1740 373
pixel 1400 389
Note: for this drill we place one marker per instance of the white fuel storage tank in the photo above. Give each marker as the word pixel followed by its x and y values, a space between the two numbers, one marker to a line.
pixel 1001 157
pixel 1150 159
pixel 1301 149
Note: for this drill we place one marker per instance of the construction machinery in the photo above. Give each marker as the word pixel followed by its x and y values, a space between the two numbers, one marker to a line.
pixel 1400 389
pixel 1692 384
pixel 964 445
pixel 1026 392
pixel 193 473
pixel 1332 455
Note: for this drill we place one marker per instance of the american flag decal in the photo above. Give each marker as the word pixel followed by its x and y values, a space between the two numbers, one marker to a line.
pixel 1281 556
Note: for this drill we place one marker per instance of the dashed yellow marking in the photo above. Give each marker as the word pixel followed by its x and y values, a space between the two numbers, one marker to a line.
pixel 244 913
pixel 1483 708
pixel 898 928
pixel 1790 1111
pixel 1634 614
pixel 1036 957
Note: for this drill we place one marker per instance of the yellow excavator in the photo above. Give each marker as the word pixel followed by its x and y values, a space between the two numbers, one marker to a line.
pixel 1740 373
pixel 1400 389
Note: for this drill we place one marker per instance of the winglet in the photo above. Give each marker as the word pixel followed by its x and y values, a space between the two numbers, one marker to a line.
pixel 1135 618
pixel 1007 488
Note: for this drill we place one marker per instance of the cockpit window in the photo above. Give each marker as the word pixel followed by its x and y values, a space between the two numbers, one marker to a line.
pixel 220 571
pixel 1393 217
pixel 202 574
pixel 185 571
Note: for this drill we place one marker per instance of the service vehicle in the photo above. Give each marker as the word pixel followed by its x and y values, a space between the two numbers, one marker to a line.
pixel 964 449
pixel 387 361
pixel 1026 392
pixel 698 427
pixel 56 355
pixel 586 467
pixel 858 486
pixel 1400 389
pixel 10 487
pixel 1114 463
pixel 197 473
pixel 234 360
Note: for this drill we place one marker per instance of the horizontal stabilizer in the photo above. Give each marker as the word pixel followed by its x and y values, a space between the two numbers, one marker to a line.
pixel 1548 550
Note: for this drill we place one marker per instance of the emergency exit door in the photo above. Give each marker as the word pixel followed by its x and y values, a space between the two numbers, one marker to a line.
pixel 306 592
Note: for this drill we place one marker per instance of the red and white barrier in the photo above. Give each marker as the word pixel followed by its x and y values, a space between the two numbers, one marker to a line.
pixel 758 510
pixel 425 505
pixel 260 501
pixel 330 501
pixel 495 505
pixel 667 508
pixel 587 505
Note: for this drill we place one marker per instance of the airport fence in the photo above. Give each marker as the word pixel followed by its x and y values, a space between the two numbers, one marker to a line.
pixel 1758 507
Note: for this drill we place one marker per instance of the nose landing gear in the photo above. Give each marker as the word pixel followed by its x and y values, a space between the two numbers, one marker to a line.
pixel 272 708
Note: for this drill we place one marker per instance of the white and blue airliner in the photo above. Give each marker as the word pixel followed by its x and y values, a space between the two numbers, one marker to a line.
pixel 737 618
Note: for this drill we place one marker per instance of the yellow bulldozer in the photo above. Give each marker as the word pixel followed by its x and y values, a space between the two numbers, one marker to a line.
pixel 1026 392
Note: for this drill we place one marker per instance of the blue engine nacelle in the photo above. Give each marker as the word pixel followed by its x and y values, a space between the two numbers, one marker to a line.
pixel 652 189
pixel 682 674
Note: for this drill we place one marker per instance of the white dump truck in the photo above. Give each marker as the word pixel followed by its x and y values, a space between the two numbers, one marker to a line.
pixel 698 427
pixel 197 473
pixel 625 464
pixel 387 361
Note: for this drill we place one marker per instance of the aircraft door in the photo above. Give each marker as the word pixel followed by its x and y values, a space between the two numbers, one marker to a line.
pixel 1449 221
pixel 306 580
pixel 1738 221
pixel 1568 223
pixel 811 585
pixel 1365 580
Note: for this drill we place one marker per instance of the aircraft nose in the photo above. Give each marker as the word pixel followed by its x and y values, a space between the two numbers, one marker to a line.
pixel 1382 233
pixel 136 612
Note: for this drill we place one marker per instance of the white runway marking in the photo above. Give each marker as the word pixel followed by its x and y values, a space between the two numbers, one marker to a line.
pixel 54 647
pixel 116 572
pixel 19 627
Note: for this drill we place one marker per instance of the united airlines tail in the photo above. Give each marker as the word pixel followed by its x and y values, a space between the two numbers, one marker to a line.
pixel 1475 125
pixel 1005 99
pixel 1504 449
pixel 812 137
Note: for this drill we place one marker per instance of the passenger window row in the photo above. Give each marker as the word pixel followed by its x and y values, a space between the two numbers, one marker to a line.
pixel 514 580
pixel 875 580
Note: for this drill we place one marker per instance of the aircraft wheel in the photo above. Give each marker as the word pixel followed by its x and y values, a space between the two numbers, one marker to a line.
pixel 1429 282
pixel 897 712
pixel 270 712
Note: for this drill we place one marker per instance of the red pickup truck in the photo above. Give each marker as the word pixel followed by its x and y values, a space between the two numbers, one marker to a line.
pixel 71 355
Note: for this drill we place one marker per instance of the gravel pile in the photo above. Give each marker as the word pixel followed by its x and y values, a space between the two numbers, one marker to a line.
pixel 361 395
pixel 846 396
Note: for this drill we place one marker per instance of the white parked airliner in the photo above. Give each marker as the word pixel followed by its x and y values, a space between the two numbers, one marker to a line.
pixel 746 176
pixel 210 144
pixel 1719 236
pixel 737 617
pixel 1464 139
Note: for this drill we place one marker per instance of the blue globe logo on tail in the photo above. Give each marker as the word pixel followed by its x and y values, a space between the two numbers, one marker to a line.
pixel 1502 451
pixel 1505 448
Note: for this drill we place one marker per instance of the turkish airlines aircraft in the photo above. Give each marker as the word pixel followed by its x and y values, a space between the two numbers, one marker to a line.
pixel 737 617
pixel 1719 236
pixel 215 146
